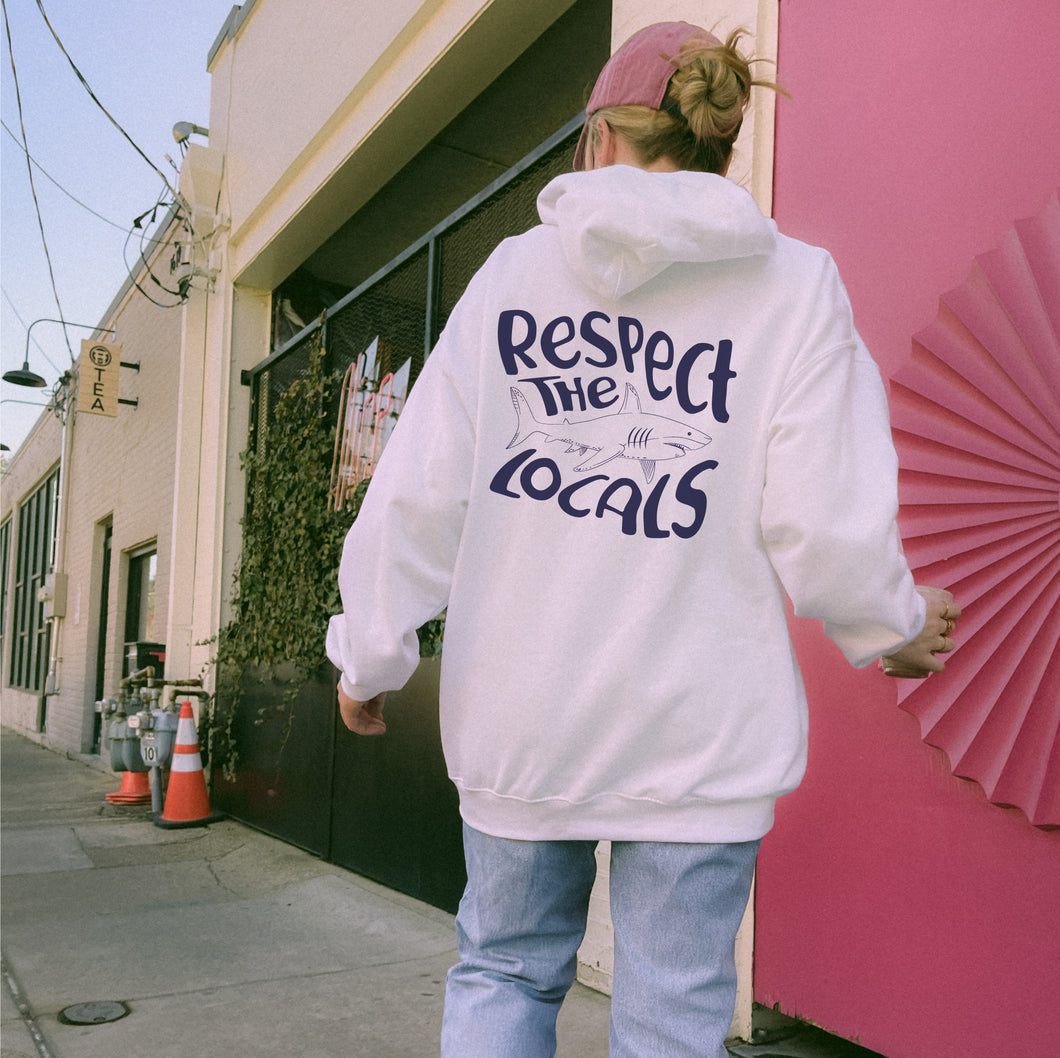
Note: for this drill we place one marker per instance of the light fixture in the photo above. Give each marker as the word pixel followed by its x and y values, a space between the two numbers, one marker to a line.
pixel 183 129
pixel 23 376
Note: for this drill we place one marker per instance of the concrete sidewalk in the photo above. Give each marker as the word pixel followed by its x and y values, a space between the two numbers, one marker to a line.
pixel 218 940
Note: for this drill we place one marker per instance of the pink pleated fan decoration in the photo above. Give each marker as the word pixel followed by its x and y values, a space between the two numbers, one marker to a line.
pixel 976 417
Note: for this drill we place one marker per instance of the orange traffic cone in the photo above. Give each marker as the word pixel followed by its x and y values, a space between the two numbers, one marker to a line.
pixel 187 803
pixel 135 790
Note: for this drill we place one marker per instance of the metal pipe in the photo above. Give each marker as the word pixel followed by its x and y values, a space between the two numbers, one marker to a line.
pixel 154 778
pixel 141 675
pixel 191 688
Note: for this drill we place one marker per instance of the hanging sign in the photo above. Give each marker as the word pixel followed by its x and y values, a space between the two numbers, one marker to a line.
pixel 98 391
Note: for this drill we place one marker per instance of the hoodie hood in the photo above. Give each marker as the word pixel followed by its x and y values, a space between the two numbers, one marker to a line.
pixel 621 226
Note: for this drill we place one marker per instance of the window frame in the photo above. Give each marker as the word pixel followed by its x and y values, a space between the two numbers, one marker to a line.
pixel 34 562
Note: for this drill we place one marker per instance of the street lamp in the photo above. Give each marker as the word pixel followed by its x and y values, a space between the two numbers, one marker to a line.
pixel 23 376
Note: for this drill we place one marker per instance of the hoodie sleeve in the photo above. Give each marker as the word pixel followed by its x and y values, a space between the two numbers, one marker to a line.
pixel 831 497
pixel 398 557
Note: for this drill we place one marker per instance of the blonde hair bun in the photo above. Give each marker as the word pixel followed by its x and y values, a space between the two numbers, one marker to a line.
pixel 711 88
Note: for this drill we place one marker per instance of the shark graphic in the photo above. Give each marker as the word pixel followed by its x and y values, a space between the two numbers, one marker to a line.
pixel 628 433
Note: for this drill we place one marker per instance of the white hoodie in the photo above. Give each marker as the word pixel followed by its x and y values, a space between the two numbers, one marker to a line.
pixel 647 419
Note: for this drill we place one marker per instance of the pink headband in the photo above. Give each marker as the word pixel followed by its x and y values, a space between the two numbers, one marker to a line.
pixel 640 71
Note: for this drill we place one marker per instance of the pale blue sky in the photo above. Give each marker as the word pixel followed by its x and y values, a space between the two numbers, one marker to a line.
pixel 146 62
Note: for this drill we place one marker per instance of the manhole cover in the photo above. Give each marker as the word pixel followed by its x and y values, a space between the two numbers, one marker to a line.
pixel 92 1013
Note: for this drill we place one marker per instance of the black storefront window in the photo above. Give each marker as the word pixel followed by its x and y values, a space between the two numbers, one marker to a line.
pixel 35 555
pixel 141 630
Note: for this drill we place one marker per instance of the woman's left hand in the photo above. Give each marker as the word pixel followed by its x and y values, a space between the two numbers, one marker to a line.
pixel 920 657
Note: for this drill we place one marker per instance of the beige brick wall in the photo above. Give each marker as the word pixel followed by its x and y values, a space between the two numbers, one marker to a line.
pixel 118 469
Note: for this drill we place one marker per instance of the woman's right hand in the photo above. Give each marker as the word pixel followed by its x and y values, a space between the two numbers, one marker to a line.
pixel 363 718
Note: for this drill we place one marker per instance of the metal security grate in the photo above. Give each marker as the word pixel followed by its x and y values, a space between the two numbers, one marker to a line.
pixel 393 310
pixel 406 304
pixel 509 210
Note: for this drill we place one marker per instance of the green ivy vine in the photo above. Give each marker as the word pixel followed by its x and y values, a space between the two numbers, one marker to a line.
pixel 286 587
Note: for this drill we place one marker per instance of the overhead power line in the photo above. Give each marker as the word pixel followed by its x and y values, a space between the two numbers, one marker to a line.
pixel 29 170
pixel 44 172
pixel 95 99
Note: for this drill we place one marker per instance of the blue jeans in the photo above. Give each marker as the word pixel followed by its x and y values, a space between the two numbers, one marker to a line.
pixel 675 910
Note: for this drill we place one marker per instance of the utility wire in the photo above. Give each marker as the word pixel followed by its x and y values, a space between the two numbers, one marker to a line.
pixel 18 316
pixel 44 172
pixel 30 162
pixel 29 170
pixel 153 242
pixel 95 99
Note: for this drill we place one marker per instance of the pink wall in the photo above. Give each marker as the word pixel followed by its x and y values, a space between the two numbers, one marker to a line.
pixel 917 133
pixel 895 904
